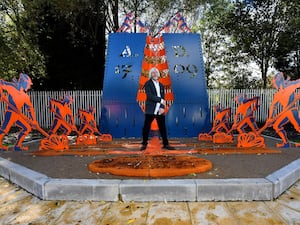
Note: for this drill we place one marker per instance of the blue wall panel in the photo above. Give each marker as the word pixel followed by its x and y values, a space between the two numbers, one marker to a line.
pixel 122 117
pixel 189 115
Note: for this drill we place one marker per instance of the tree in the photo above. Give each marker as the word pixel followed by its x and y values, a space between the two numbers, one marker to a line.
pixel 19 51
pixel 71 34
pixel 224 66
pixel 256 27
pixel 287 55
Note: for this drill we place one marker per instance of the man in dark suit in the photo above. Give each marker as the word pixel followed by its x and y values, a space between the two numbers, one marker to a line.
pixel 155 109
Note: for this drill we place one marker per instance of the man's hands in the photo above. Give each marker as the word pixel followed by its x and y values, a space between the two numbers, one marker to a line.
pixel 161 111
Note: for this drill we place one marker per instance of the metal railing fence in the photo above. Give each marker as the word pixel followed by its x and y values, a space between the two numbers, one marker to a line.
pixel 84 99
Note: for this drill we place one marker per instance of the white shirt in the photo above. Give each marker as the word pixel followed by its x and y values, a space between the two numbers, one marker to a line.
pixel 156 85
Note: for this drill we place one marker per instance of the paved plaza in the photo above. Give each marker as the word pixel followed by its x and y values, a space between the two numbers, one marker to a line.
pixel 20 207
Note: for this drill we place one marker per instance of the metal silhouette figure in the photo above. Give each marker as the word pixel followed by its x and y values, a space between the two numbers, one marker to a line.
pixel 127 23
pixel 283 108
pixel 243 119
pixel 17 101
pixel 88 123
pixel 220 123
pixel 143 27
pixel 244 116
pixel 88 128
pixel 63 116
pixel 181 24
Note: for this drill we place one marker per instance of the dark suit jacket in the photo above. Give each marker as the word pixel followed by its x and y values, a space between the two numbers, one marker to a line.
pixel 152 97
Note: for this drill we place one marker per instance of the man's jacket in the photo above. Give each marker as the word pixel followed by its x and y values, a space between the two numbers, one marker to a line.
pixel 152 97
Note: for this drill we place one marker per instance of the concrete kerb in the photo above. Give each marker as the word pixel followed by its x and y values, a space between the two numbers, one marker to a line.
pixel 239 189
pixel 285 177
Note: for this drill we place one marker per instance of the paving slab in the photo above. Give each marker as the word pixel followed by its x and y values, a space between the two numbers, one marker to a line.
pixel 83 213
pixel 207 213
pixel 248 213
pixel 287 206
pixel 126 213
pixel 14 206
pixel 169 213
pixel 20 207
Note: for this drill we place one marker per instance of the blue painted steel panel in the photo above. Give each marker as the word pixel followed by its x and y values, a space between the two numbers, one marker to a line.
pixel 189 115
pixel 120 115
pixel 123 66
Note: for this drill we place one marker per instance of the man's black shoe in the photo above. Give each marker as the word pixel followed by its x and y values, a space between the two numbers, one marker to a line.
pixel 168 147
pixel 143 147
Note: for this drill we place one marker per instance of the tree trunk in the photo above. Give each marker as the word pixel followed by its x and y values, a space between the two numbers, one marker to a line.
pixel 115 9
pixel 264 70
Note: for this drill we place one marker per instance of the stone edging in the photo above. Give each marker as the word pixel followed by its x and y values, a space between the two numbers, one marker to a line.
pixel 237 189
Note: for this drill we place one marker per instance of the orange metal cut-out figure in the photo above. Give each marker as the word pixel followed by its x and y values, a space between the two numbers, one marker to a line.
pixel 286 98
pixel 63 116
pixel 244 116
pixel 17 99
pixel 220 126
pixel 181 24
pixel 143 27
pixel 88 123
pixel 221 123
pixel 127 23
pixel 166 27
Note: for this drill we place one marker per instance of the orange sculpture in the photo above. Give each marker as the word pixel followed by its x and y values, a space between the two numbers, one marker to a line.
pixel 178 21
pixel 127 23
pixel 88 128
pixel 283 108
pixel 181 24
pixel 54 142
pixel 15 96
pixel 244 116
pixel 63 120
pixel 63 116
pixel 220 124
pixel 88 123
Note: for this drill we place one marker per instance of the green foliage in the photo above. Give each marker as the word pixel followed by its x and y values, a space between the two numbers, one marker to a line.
pixel 256 29
pixel 61 44
pixel 19 51
pixel 287 55
pixel 71 36
pixel 224 66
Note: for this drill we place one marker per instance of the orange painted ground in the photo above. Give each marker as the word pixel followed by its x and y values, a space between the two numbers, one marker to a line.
pixel 227 151
pixel 151 166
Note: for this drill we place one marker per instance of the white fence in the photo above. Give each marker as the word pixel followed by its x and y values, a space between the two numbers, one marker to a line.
pixel 84 99
pixel 81 99
pixel 226 97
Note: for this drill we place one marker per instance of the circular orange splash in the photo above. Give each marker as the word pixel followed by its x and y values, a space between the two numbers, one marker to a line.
pixel 151 166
